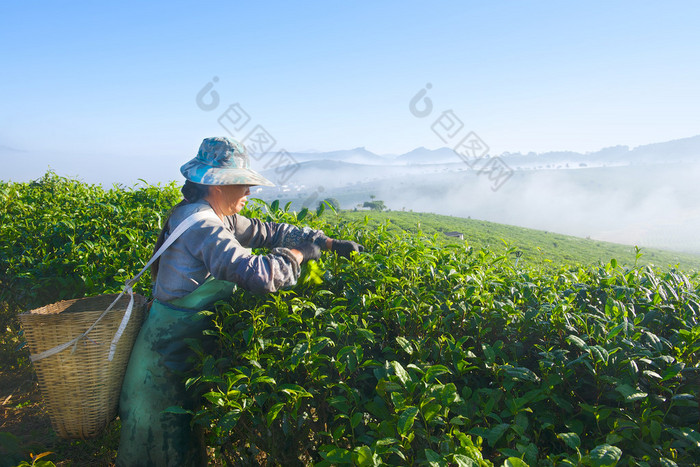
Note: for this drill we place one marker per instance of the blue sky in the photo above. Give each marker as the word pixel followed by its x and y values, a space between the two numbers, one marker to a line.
pixel 92 84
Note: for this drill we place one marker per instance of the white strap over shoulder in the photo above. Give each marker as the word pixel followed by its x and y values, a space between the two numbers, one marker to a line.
pixel 128 288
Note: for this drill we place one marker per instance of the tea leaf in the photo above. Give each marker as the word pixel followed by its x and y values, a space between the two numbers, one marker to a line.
pixel 570 439
pixel 405 421
pixel 605 455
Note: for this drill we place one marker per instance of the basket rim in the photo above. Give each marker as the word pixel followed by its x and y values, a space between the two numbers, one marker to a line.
pixel 64 306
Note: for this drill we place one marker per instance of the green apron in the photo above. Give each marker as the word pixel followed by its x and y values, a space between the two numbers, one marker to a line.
pixel 154 381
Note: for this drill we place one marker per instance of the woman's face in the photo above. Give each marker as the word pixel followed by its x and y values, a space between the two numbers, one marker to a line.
pixel 232 198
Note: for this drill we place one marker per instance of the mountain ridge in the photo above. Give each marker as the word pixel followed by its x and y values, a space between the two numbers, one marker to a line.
pixel 673 151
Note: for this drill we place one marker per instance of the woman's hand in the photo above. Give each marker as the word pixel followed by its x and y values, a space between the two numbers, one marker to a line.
pixel 345 248
pixel 307 250
pixel 310 251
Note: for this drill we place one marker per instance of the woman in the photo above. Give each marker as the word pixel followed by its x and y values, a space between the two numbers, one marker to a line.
pixel 204 264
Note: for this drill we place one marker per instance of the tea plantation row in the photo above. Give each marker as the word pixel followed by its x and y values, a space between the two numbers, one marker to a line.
pixel 416 352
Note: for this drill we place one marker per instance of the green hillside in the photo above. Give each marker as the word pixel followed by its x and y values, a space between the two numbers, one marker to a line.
pixel 538 247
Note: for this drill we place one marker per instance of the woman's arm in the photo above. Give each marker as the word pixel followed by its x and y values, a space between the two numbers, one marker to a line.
pixel 226 258
pixel 253 233
pixel 210 248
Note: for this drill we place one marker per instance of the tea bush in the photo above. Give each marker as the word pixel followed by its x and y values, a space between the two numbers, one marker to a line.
pixel 415 352
pixel 61 238
pixel 419 352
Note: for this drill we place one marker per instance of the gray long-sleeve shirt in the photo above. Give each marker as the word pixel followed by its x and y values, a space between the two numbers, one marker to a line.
pixel 221 248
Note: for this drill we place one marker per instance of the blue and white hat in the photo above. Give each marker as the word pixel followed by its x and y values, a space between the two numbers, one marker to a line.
pixel 222 161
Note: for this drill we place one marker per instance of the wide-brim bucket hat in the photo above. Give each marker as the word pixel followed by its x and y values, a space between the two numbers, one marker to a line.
pixel 222 161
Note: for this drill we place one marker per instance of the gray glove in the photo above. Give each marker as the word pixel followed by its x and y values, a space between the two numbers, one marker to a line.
pixel 309 251
pixel 345 248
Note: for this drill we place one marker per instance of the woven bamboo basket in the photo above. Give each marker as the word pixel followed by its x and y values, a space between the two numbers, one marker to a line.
pixel 81 388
